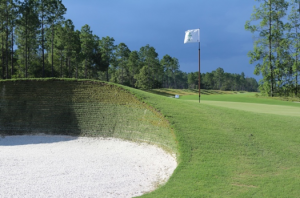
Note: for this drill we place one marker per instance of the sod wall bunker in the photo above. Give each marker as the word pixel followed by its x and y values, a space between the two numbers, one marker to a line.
pixel 80 108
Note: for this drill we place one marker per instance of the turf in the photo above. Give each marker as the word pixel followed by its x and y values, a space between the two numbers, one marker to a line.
pixel 241 97
pixel 223 151
pixel 227 152
pixel 184 92
pixel 248 102
pixel 80 108
pixel 257 108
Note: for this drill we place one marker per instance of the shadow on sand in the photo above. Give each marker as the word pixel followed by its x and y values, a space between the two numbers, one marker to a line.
pixel 18 140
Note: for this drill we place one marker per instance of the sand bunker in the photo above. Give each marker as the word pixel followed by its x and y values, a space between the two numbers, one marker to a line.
pixel 64 166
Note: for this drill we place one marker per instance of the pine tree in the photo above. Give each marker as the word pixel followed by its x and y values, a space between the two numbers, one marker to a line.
pixel 86 38
pixel 174 69
pixel 142 80
pixel 13 17
pixel 166 63
pixel 149 57
pixel 26 40
pixel 133 66
pixel 70 45
pixel 266 47
pixel 56 16
pixel 293 36
pixel 121 58
pixel 45 12
pixel 2 31
pixel 107 50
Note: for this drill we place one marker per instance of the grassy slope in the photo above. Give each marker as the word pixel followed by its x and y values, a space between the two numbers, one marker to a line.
pixel 80 108
pixel 230 153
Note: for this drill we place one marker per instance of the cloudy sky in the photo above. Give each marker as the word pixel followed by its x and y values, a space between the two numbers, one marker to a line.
pixel 162 25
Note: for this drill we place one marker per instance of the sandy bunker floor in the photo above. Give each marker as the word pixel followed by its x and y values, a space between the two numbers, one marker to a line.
pixel 64 166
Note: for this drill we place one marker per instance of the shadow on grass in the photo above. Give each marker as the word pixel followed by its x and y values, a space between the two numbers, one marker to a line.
pixel 162 93
pixel 28 107
pixel 182 92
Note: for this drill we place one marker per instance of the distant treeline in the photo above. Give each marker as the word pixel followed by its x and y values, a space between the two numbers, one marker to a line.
pixel 49 46
pixel 220 80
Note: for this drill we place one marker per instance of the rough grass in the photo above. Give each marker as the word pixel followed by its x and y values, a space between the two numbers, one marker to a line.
pixel 80 108
pixel 227 152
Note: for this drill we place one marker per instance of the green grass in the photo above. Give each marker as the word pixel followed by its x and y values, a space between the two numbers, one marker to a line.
pixel 227 152
pixel 257 108
pixel 249 102
pixel 241 97
pixel 183 92
pixel 80 108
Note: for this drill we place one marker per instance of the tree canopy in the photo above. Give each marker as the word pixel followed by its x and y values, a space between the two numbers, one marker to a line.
pixel 48 45
pixel 276 47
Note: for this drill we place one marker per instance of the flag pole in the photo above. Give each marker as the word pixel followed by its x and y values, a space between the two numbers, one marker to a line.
pixel 191 38
pixel 199 73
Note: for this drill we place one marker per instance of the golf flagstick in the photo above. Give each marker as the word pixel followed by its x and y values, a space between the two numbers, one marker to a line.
pixel 193 36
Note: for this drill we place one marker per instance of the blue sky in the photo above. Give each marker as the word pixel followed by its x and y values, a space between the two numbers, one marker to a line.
pixel 162 24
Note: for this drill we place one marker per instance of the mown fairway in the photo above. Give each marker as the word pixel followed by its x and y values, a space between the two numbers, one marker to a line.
pixel 231 149
pixel 247 102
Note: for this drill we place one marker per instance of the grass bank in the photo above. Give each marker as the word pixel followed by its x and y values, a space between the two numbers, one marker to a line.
pixel 80 108
pixel 228 152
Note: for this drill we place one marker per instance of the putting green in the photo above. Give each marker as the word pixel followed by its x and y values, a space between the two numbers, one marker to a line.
pixel 257 108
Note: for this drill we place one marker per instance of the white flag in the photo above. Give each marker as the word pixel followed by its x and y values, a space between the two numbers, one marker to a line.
pixel 192 36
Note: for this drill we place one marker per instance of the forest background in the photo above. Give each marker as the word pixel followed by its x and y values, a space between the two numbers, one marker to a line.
pixel 37 41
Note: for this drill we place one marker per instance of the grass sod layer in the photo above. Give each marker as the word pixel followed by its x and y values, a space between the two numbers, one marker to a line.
pixel 80 108
pixel 230 153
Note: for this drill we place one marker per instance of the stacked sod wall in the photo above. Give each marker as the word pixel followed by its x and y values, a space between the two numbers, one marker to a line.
pixel 80 108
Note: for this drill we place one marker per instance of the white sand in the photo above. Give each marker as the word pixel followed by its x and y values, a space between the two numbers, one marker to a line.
pixel 64 166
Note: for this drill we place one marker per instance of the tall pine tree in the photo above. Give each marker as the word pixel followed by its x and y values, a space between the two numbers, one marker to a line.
pixel 267 19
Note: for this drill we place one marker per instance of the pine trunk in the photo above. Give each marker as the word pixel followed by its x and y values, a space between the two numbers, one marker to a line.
pixel 26 43
pixel 296 93
pixel 52 51
pixel 43 70
pixel 12 51
pixel 76 68
pixel 3 64
pixel 66 62
pixel 61 63
pixel 122 75
pixel 175 86
pixel 296 78
pixel 270 48
pixel 132 77
pixel 69 67
pixel 7 51
pixel 85 68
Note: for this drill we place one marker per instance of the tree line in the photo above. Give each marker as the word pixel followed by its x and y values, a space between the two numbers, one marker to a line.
pixel 47 45
pixel 37 41
pixel 276 27
pixel 220 80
